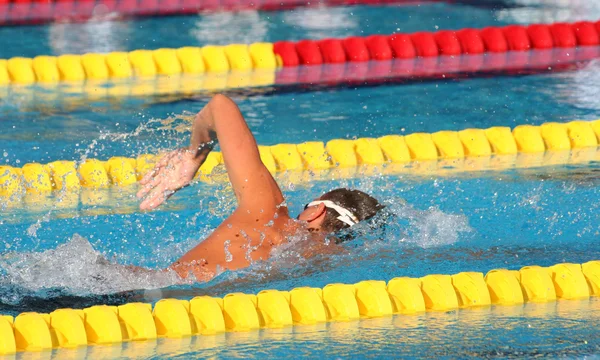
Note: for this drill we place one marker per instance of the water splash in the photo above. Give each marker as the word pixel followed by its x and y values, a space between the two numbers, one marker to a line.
pixel 76 266
pixel 151 135
pixel 432 227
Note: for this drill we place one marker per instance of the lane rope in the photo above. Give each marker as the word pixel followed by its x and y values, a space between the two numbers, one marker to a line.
pixel 270 56
pixel 441 152
pixel 205 315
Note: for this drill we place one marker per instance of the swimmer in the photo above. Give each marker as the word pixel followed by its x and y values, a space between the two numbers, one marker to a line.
pixel 261 221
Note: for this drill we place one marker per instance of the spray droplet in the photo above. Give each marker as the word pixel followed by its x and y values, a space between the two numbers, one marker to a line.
pixel 228 255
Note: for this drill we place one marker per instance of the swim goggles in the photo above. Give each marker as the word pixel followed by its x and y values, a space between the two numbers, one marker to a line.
pixel 345 215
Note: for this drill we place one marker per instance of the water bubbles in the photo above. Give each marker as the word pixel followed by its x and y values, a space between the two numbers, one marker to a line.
pixel 5 154
pixel 228 254
pixel 32 230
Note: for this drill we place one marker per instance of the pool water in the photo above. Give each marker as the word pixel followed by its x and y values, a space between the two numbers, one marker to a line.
pixel 72 251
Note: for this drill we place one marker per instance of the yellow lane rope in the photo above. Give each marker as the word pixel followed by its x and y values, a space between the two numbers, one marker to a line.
pixel 465 150
pixel 138 63
pixel 205 315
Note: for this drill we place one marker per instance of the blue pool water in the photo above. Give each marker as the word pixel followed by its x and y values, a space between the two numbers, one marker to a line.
pixel 71 251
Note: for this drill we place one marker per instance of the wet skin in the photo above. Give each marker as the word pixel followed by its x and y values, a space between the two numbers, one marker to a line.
pixel 261 220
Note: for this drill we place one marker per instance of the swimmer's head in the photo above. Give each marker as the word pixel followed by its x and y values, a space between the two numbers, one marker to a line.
pixel 339 209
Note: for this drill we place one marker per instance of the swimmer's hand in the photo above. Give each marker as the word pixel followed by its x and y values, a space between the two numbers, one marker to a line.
pixel 173 172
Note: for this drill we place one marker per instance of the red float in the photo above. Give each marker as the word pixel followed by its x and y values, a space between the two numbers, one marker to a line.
pixel 402 46
pixel 563 35
pixel 127 6
pixel 356 49
pixel 19 10
pixel 332 51
pixel 208 5
pixel 586 33
pixel 308 52
pixel 63 9
pixel 425 44
pixel 470 41
pixel 190 6
pixel 379 48
pixel 41 10
pixel 540 36
pixel 4 4
pixel 84 8
pixel 106 7
pixel 286 50
pixel 447 43
pixel 494 40
pixel 516 38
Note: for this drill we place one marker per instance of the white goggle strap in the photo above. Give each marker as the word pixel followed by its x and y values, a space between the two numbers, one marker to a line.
pixel 345 215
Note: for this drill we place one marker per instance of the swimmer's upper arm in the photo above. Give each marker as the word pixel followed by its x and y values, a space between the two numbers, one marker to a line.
pixel 251 181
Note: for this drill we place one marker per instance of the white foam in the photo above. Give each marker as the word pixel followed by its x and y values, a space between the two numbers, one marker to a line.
pixel 76 266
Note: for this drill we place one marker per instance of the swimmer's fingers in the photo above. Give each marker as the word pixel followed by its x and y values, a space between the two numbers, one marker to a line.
pixel 151 174
pixel 164 161
pixel 148 176
pixel 149 185
pixel 153 199
pixel 157 196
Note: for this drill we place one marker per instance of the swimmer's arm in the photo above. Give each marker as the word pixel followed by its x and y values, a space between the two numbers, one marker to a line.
pixel 252 183
pixel 183 270
pixel 222 121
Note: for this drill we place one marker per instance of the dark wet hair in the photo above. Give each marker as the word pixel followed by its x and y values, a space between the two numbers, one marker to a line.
pixel 362 205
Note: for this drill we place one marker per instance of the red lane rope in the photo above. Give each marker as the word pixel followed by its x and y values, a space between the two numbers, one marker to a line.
pixel 444 42
pixel 437 68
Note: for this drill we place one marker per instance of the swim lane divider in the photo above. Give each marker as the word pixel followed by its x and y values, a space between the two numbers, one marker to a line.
pixel 466 150
pixel 268 56
pixel 205 315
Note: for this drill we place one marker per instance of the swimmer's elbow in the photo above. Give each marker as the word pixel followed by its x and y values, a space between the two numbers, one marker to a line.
pixel 220 100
